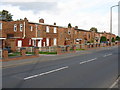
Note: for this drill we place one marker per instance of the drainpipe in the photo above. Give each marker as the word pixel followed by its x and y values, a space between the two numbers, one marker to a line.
pixel 24 31
pixel 36 30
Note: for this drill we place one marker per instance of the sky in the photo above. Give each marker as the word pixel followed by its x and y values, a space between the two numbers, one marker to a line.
pixel 82 13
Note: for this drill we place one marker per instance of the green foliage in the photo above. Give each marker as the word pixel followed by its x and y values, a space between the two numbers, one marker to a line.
pixel 93 29
pixel 103 39
pixel 79 49
pixel 88 41
pixel 47 52
pixel 69 25
pixel 5 15
pixel 117 38
pixel 113 40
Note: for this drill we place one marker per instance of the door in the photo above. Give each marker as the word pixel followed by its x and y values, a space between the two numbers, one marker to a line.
pixel 20 43
pixel 40 43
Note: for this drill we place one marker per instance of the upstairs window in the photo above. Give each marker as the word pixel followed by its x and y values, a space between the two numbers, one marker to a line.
pixel 47 29
pixel 15 27
pixel 0 26
pixel 55 30
pixel 21 27
pixel 31 28
pixel 69 32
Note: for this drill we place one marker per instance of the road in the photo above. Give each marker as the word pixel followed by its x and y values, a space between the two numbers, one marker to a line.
pixel 94 70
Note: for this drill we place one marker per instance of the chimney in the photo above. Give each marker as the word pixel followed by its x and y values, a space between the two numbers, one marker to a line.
pixel 76 27
pixel 54 23
pixel 41 20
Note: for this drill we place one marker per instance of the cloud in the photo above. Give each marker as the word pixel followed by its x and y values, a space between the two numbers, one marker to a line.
pixel 33 6
pixel 83 13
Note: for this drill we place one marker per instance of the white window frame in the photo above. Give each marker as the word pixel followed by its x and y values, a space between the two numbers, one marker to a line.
pixel 30 42
pixel 55 30
pixel 31 28
pixel 55 42
pixel 0 26
pixel 47 41
pixel 34 42
pixel 69 32
pixel 21 27
pixel 15 27
pixel 47 29
pixel 20 42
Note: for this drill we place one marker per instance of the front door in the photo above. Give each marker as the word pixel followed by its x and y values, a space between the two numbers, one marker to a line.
pixel 20 43
pixel 40 43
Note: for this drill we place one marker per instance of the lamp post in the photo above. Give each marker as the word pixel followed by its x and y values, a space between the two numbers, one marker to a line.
pixel 111 19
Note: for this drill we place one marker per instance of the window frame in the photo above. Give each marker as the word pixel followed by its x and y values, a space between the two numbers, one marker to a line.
pixel 21 27
pixel 55 30
pixel 15 27
pixel 0 26
pixel 47 29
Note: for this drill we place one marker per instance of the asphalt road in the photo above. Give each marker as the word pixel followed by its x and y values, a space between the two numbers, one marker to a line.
pixel 95 70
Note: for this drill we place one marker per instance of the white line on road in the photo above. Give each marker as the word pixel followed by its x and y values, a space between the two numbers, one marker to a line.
pixel 115 83
pixel 88 61
pixel 45 73
pixel 107 55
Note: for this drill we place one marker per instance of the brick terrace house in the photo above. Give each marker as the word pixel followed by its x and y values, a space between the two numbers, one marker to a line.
pixel 23 33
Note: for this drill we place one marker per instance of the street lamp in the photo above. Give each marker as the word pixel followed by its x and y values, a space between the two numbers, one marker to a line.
pixel 111 18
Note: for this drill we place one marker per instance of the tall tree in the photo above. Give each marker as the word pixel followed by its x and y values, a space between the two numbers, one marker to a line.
pixel 5 15
pixel 113 40
pixel 117 38
pixel 69 25
pixel 93 29
pixel 103 39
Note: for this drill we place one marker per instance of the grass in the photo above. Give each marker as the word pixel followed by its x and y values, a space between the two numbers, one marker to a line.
pixel 79 49
pixel 47 52
pixel 29 52
pixel 14 54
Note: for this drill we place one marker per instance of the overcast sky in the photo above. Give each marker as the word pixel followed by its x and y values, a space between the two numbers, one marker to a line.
pixel 82 13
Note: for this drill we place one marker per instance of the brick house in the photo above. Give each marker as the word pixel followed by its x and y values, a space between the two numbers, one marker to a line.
pixel 23 33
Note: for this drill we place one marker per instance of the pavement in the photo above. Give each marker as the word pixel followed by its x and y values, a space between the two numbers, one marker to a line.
pixel 96 68
pixel 44 57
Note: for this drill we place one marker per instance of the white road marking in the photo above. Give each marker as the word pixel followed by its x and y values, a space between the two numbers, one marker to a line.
pixel 115 83
pixel 107 55
pixel 45 73
pixel 88 61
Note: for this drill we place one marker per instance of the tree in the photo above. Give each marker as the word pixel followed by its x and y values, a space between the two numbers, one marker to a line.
pixel 113 40
pixel 5 15
pixel 93 29
pixel 117 38
pixel 103 39
pixel 69 25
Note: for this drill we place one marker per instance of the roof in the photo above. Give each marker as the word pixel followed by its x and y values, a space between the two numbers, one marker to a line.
pixel 47 24
pixel 82 30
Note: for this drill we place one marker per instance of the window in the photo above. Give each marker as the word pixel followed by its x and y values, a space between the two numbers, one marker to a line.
pixel 36 27
pixel 31 28
pixel 47 40
pixel 55 41
pixel 75 32
pixel 69 32
pixel 30 42
pixel 10 35
pixel 21 27
pixel 15 27
pixel 0 26
pixel 55 30
pixel 34 42
pixel 47 29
